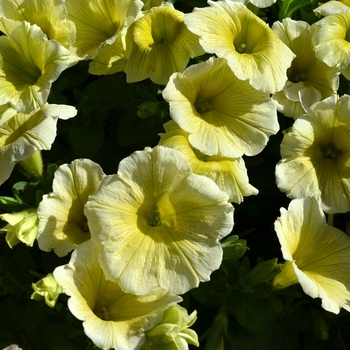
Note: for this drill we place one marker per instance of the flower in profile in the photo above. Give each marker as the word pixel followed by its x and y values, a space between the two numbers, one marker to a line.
pixel 111 318
pixel 172 331
pixel 257 3
pixel 22 135
pixel 230 174
pixel 48 289
pixel 62 223
pixel 49 15
pixel 317 254
pixel 99 22
pixel 309 79
pixel 330 37
pixel 252 50
pixel 29 63
pixel 316 155
pixel 223 115
pixel 332 7
pixel 159 44
pixel 22 227
pixel 168 225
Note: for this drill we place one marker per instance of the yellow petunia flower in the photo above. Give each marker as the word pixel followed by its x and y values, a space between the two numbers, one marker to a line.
pixel 317 254
pixel 332 7
pixel 48 289
pixel 159 44
pixel 49 15
pixel 309 79
pixel 24 134
pixel 230 174
pixel 316 155
pixel 99 22
pixel 111 318
pixel 252 50
pixel 330 37
pixel 29 63
pixel 223 115
pixel 158 224
pixel 62 223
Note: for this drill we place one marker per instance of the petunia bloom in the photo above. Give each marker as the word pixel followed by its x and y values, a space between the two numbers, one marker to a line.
pixel 29 63
pixel 309 79
pixel 172 332
pixel 332 7
pixel 159 44
pixel 330 37
pixel 158 224
pixel 223 115
pixel 62 223
pixel 230 174
pixel 252 50
pixel 22 227
pixel 99 22
pixel 23 134
pixel 317 254
pixel 316 155
pixel 49 15
pixel 111 318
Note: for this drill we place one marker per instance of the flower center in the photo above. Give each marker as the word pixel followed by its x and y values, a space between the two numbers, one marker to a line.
pixel 155 220
pixel 299 77
pixel 203 107
pixel 103 314
pixel 329 153
pixel 242 48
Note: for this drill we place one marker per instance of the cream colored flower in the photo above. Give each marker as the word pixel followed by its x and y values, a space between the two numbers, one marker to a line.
pixel 23 134
pixel 223 115
pixel 111 318
pixel 22 227
pixel 309 79
pixel 62 223
pixel 99 22
pixel 332 7
pixel 230 174
pixel 49 15
pixel 172 331
pixel 29 63
pixel 251 48
pixel 158 224
pixel 316 155
pixel 159 44
pixel 330 37
pixel 318 255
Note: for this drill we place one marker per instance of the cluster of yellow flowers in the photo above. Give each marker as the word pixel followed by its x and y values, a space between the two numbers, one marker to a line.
pixel 151 232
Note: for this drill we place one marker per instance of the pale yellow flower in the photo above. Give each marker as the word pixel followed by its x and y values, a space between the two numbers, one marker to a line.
pixel 316 155
pixel 23 134
pixel 252 50
pixel 22 227
pixel 111 318
pixel 29 63
pixel 330 37
pixel 172 332
pixel 309 79
pixel 62 223
pixel 159 44
pixel 317 255
pixel 223 115
pixel 332 7
pixel 99 22
pixel 158 224
pixel 49 15
pixel 230 174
